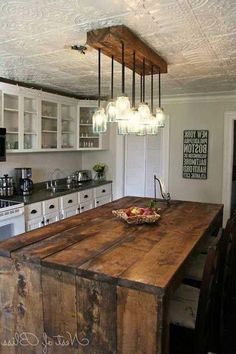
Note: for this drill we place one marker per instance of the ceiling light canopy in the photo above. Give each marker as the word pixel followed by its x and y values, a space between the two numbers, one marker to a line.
pixel 123 46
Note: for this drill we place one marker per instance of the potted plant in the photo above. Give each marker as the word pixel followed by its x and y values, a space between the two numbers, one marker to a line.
pixel 100 168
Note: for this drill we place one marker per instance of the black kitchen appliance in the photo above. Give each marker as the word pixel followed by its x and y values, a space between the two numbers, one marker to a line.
pixel 24 183
pixel 2 144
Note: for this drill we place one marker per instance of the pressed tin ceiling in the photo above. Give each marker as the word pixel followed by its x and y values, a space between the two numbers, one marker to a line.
pixel 196 37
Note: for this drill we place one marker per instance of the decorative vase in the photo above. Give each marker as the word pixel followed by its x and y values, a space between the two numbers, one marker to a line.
pixel 100 176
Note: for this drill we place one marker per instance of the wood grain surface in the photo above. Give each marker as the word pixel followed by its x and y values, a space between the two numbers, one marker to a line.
pixel 100 284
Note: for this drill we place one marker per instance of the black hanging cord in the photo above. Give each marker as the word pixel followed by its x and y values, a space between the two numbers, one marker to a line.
pixel 123 67
pixel 141 88
pixel 152 89
pixel 112 76
pixel 99 76
pixel 133 81
pixel 159 71
pixel 143 79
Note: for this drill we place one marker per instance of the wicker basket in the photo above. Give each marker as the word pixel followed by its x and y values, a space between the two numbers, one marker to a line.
pixel 136 219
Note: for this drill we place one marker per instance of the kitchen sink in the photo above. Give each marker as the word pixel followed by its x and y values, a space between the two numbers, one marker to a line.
pixel 59 189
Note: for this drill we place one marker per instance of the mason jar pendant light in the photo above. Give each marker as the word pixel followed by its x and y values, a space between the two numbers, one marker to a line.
pixel 152 127
pixel 143 108
pixel 111 107
pixel 99 117
pixel 159 111
pixel 134 120
pixel 122 102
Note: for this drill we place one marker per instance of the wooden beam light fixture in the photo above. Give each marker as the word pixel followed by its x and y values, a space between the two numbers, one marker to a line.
pixel 109 39
pixel 122 45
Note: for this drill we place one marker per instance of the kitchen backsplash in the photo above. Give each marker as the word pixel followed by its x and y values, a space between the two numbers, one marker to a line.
pixel 43 164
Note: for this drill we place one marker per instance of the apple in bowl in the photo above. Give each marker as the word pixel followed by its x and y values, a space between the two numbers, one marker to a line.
pixel 136 215
pixel 135 211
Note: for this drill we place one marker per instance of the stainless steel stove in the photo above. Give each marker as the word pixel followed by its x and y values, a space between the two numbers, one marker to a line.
pixel 12 221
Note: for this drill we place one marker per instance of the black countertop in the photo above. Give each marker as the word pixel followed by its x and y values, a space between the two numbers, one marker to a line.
pixel 39 195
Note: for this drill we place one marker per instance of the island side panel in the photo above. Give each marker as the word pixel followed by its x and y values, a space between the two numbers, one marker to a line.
pixel 21 307
pixel 137 322
pixel 8 280
pixel 59 311
pixel 97 317
pixel 29 308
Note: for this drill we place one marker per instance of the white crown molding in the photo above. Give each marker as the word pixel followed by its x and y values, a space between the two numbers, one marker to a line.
pixel 201 97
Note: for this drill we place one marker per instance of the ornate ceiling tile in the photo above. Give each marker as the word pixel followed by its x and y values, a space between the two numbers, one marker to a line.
pixel 196 37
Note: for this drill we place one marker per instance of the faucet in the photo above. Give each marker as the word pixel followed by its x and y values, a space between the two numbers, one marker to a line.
pixel 53 176
pixel 165 196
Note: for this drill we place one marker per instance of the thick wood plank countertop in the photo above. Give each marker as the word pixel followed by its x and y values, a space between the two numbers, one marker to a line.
pixel 97 245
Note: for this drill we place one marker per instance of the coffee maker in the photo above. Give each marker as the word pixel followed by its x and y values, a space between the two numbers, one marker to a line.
pixel 24 184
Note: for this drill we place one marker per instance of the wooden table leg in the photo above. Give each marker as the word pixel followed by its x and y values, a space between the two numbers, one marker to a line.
pixel 138 329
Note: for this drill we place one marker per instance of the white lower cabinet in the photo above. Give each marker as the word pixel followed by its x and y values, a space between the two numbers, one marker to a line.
pixel 51 210
pixel 50 218
pixel 33 216
pixel 103 195
pixel 66 213
pixel 34 223
pixel 86 206
pixel 102 200
pixel 68 205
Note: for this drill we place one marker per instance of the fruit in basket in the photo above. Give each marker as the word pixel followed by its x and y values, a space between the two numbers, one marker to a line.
pixel 136 211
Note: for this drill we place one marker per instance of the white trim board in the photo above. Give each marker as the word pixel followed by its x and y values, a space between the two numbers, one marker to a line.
pixel 229 119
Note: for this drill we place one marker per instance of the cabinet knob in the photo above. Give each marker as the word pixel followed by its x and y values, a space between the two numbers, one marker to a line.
pixel 33 211
pixel 42 222
pixel 70 201
pixel 97 202
pixel 47 220
pixel 104 190
pixel 51 206
pixel 82 208
pixel 86 196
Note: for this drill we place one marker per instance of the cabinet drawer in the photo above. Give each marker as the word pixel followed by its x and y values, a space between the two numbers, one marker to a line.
pixel 33 211
pixel 66 213
pixel 68 200
pixel 85 195
pixel 50 218
pixel 50 206
pixel 102 190
pixel 102 200
pixel 86 206
pixel 34 223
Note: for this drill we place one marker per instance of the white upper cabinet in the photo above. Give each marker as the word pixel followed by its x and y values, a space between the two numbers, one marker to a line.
pixel 41 121
pixel 30 123
pixel 11 119
pixel 88 140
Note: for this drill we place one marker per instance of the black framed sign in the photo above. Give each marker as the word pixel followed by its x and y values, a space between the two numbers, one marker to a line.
pixel 195 154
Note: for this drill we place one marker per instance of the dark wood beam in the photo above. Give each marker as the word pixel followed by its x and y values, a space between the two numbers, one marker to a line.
pixel 47 89
pixel 109 40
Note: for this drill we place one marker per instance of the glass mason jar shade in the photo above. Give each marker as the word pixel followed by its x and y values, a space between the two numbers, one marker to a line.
pixel 160 116
pixel 99 121
pixel 144 112
pixel 111 111
pixel 123 126
pixel 134 122
pixel 141 130
pixel 122 107
pixel 152 127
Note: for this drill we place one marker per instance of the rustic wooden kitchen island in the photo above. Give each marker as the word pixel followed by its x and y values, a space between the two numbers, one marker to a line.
pixel 99 283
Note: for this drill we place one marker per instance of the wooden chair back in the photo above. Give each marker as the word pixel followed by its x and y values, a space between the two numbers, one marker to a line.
pixel 228 298
pixel 208 313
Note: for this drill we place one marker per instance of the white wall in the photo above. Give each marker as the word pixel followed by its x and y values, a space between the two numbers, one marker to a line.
pixel 202 113
pixel 114 158
pixel 43 163
pixel 184 113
